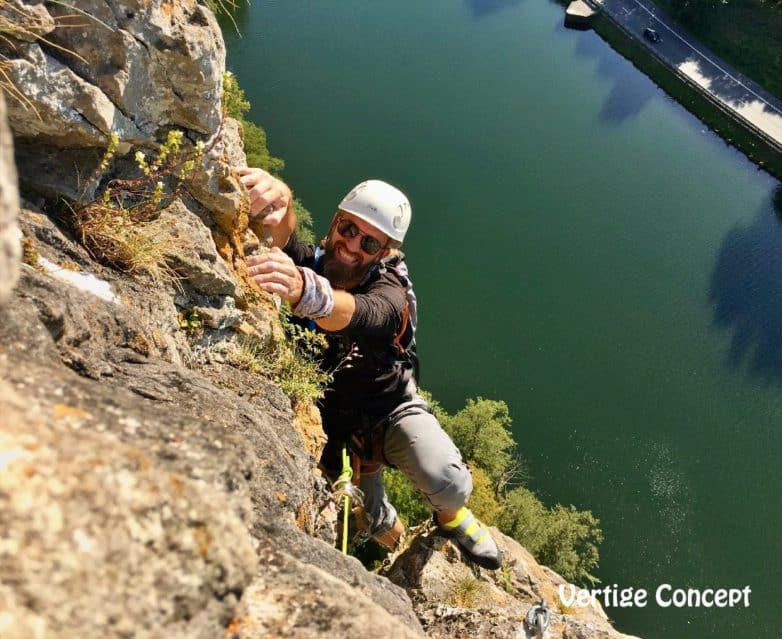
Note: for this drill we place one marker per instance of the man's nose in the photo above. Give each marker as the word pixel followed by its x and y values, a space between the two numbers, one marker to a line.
pixel 354 243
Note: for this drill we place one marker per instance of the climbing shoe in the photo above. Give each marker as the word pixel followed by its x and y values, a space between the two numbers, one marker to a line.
pixel 473 538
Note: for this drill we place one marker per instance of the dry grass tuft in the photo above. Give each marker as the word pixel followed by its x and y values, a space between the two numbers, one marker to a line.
pixel 131 241
pixel 468 592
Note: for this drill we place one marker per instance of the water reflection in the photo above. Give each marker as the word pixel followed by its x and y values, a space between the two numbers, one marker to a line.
pixel 746 291
pixel 483 8
pixel 630 90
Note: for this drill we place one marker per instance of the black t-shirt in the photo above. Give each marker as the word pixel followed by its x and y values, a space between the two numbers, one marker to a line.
pixel 370 374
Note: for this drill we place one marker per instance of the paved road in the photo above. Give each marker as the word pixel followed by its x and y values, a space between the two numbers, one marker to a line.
pixel 736 93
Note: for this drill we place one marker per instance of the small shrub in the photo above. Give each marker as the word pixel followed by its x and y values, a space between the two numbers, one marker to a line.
pixel 483 501
pixel 467 593
pixel 120 226
pixel 291 363
pixel 563 538
pixel 410 506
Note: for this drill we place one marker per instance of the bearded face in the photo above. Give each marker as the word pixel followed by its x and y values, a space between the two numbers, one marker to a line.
pixel 341 274
pixel 346 260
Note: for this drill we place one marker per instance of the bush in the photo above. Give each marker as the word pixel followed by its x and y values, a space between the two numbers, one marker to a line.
pixel 291 363
pixel 484 501
pixel 481 430
pixel 410 506
pixel 562 538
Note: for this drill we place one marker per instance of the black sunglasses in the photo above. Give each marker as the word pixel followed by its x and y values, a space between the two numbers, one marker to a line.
pixel 370 245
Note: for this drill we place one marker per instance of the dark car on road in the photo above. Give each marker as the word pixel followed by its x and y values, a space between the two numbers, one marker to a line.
pixel 652 35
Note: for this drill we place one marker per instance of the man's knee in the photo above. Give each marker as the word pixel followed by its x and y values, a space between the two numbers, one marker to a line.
pixel 448 489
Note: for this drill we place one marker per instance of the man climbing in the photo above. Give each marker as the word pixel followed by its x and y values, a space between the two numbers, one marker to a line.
pixel 354 287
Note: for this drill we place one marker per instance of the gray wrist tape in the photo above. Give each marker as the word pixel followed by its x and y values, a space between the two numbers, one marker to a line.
pixel 317 298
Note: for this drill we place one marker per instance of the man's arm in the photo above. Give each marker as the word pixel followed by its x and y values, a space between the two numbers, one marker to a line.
pixel 340 317
pixel 269 194
pixel 376 312
pixel 275 272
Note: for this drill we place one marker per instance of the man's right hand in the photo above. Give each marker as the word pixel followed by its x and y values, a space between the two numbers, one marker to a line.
pixel 275 272
pixel 268 195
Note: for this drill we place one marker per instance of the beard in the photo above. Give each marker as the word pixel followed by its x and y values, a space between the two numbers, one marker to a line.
pixel 342 275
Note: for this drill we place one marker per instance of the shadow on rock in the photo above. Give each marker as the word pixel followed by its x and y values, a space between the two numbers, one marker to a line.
pixel 746 291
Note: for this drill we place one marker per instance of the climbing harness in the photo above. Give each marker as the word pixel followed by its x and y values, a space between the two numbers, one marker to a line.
pixel 346 491
pixel 538 618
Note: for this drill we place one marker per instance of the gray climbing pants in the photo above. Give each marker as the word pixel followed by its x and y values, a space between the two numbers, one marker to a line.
pixel 416 444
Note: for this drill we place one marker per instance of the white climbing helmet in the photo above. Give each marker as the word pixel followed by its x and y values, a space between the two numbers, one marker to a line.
pixel 383 206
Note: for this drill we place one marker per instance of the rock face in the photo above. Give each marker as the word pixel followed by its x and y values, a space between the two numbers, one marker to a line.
pixel 455 602
pixel 124 472
pixel 132 67
pixel 10 248
pixel 150 483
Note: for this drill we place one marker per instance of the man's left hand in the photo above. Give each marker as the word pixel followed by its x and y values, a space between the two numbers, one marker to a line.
pixel 275 272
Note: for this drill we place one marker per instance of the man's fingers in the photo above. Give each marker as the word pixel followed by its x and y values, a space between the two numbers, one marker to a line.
pixel 268 195
pixel 271 260
pixel 273 278
pixel 275 217
pixel 267 268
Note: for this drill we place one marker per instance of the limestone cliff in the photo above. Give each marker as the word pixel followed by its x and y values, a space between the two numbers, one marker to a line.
pixel 149 486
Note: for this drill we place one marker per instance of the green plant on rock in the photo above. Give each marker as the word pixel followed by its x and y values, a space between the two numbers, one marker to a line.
pixel 190 322
pixel 292 363
pixel 467 592
pixel 120 226
pixel 563 538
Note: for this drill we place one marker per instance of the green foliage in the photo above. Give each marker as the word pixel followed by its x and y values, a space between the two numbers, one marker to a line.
pixel 236 105
pixel 190 321
pixel 484 502
pixel 256 150
pixel 409 504
pixel 291 363
pixel 467 592
pixel 121 225
pixel 481 430
pixel 563 538
pixel 304 225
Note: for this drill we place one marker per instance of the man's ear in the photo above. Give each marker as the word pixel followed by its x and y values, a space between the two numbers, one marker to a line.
pixel 384 254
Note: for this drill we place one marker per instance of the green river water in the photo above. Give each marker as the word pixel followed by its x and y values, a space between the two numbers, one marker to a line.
pixel 582 248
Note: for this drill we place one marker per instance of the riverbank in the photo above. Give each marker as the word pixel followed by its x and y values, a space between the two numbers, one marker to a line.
pixel 746 32
pixel 740 111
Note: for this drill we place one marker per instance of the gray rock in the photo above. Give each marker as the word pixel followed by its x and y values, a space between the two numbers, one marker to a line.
pixel 98 538
pixel 70 110
pixel 10 246
pixel 134 67
pixel 230 144
pixel 452 600
pixel 191 251
pixel 293 599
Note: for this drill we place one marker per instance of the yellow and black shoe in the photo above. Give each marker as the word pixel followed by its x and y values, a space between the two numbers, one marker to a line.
pixel 473 538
